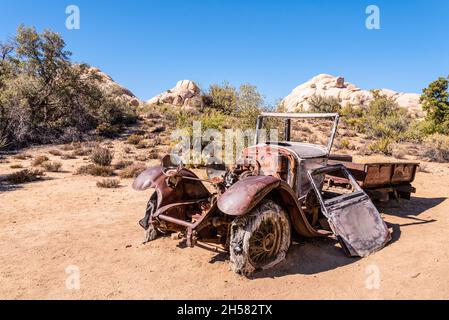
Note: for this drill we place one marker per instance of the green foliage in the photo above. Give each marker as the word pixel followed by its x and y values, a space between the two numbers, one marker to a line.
pixel 435 100
pixel 44 97
pixel 223 98
pixel 324 104
pixel 383 145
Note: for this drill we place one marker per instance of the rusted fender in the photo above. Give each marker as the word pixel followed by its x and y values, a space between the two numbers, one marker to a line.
pixel 246 194
pixel 147 179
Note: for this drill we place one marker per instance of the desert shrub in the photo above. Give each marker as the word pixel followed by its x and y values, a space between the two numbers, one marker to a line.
pixel 67 147
pixel 102 156
pixel 222 98
pixel 108 183
pixel 95 170
pixel 153 154
pixel 39 160
pixel 68 156
pixel 22 156
pixel 122 164
pixel 435 101
pixel 132 171
pixel 325 104
pixel 108 130
pixel 134 139
pixel 81 152
pixel 383 145
pixel 24 176
pixel 437 147
pixel 345 144
pixel 55 152
pixel 44 95
pixel 16 166
pixel 142 145
pixel 51 166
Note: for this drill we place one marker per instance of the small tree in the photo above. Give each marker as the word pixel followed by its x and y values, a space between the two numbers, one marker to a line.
pixel 435 100
pixel 223 98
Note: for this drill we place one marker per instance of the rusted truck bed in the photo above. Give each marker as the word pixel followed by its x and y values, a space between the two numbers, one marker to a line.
pixel 381 180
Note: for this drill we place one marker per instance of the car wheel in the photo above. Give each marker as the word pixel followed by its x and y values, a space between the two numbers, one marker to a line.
pixel 260 239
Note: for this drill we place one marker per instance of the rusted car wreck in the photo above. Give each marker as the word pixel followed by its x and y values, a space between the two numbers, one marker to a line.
pixel 278 189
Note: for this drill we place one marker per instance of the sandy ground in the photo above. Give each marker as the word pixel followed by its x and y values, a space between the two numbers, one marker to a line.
pixel 51 229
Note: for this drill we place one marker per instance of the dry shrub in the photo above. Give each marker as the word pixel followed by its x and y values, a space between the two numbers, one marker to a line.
pixel 102 156
pixel 122 164
pixel 383 145
pixel 68 156
pixel 127 150
pixel 437 147
pixel 134 139
pixel 22 156
pixel 142 145
pixel 67 147
pixel 52 166
pixel 39 160
pixel 153 154
pixel 95 170
pixel 81 152
pixel 141 157
pixel 132 171
pixel 24 176
pixel 55 152
pixel 108 183
pixel 16 166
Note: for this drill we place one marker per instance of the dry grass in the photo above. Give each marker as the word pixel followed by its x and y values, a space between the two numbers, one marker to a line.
pixel 39 160
pixel 142 145
pixel 22 156
pixel 132 171
pixel 67 147
pixel 134 139
pixel 81 152
pixel 24 176
pixel 122 164
pixel 55 152
pixel 52 166
pixel 95 170
pixel 437 147
pixel 16 166
pixel 101 156
pixel 68 156
pixel 108 183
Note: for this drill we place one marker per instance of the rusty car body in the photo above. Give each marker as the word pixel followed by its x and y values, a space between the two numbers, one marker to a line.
pixel 274 192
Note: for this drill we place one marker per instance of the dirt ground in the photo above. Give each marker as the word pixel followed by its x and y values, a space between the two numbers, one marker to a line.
pixel 52 228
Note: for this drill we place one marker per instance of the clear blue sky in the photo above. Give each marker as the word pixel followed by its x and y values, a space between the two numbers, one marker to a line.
pixel 148 45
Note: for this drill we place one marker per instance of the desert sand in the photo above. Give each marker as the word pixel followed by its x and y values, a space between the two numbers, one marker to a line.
pixel 48 226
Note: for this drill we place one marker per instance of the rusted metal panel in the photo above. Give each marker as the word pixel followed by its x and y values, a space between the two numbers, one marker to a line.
pixel 369 175
pixel 245 194
pixel 353 217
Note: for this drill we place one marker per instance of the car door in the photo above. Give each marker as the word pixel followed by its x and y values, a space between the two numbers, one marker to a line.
pixel 352 215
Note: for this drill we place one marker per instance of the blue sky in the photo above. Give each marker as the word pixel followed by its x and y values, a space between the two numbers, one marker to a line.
pixel 149 45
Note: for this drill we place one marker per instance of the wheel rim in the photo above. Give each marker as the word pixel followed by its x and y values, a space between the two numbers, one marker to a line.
pixel 264 243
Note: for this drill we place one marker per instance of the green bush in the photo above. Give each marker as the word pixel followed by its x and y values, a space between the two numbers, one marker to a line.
pixel 383 145
pixel 44 97
pixel 222 98
pixel 324 104
pixel 435 101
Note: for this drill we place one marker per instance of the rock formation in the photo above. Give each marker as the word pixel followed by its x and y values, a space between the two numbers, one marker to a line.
pixel 115 89
pixel 185 94
pixel 347 93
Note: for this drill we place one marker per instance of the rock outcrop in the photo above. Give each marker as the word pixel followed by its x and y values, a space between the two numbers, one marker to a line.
pixel 185 94
pixel 347 93
pixel 113 88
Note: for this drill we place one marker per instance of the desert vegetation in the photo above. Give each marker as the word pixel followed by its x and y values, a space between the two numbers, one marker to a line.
pixel 45 97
